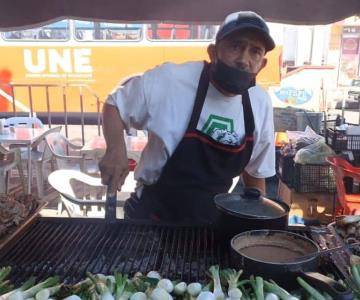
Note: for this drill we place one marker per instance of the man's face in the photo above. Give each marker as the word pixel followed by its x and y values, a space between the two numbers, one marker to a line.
pixel 243 50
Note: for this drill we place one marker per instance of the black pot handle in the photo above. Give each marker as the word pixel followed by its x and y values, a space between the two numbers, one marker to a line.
pixel 251 193
pixel 329 285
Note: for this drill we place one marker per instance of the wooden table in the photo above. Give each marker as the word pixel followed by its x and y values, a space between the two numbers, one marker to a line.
pixel 26 137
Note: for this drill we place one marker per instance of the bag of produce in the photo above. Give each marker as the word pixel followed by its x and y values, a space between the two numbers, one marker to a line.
pixel 313 154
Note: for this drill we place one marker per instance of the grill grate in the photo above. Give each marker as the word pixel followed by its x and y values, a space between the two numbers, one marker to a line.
pixel 70 247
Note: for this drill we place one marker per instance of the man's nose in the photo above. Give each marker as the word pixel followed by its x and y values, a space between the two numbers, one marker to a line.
pixel 242 65
pixel 242 59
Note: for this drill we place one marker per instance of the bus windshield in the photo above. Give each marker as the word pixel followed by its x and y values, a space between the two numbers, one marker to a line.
pixel 165 31
pixel 96 31
pixel 55 31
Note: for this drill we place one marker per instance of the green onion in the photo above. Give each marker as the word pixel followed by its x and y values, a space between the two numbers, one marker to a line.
pixel 31 292
pixel 4 272
pixel 214 271
pixel 313 292
pixel 277 290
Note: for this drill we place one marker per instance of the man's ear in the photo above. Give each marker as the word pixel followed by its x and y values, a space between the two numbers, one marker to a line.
pixel 263 64
pixel 211 50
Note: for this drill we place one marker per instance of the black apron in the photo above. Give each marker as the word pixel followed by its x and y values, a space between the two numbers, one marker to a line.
pixel 199 168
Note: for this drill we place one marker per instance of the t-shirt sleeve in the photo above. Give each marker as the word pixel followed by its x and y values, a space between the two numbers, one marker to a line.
pixel 262 162
pixel 131 101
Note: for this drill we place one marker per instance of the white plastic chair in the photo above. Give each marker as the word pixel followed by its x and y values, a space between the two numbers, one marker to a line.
pixel 68 155
pixel 24 122
pixel 10 159
pixel 81 194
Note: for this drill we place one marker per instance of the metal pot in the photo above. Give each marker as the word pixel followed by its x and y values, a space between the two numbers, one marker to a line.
pixel 247 211
pixel 282 256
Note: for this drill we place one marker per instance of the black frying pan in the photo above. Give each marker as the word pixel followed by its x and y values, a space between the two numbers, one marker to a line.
pixel 282 256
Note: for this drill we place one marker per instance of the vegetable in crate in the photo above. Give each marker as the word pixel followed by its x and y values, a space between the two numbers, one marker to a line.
pixel 313 154
pixel 287 150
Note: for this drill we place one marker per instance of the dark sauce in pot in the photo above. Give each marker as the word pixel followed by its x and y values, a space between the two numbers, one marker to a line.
pixel 271 253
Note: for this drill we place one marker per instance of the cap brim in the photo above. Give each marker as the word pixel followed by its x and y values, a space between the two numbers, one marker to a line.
pixel 268 41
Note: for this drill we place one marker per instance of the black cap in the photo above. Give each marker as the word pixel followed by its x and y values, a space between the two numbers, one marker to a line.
pixel 247 21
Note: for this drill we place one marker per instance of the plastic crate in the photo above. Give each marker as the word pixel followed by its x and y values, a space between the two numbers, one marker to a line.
pixel 286 169
pixel 314 179
pixel 340 141
pixel 331 123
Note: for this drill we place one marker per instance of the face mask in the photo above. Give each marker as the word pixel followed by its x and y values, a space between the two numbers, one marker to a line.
pixel 230 79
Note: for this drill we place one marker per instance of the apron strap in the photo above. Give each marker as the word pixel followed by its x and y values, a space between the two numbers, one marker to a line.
pixel 200 96
pixel 248 114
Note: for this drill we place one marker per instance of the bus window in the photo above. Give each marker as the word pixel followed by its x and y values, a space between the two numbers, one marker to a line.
pixel 58 31
pixel 96 31
pixel 165 31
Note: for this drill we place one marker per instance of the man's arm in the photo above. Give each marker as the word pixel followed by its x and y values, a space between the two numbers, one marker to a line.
pixel 251 181
pixel 114 165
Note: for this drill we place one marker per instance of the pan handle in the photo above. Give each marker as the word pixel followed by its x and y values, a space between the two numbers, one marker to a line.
pixel 329 285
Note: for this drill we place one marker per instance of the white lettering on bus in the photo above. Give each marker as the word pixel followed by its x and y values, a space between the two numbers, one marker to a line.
pixel 64 60
pixel 82 60
pixel 41 63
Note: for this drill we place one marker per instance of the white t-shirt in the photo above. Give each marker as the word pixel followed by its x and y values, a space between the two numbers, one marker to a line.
pixel 161 102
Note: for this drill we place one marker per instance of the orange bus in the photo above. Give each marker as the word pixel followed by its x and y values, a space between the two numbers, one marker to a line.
pixel 68 59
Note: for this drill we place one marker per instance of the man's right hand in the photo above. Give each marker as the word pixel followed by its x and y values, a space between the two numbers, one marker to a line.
pixel 114 169
pixel 114 165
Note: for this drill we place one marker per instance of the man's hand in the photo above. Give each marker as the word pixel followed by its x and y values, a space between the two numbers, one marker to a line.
pixel 114 169
pixel 114 165
pixel 250 181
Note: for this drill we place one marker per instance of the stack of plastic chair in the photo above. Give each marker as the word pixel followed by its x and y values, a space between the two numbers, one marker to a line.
pixel 9 159
pixel 40 154
pixel 68 155
pixel 343 170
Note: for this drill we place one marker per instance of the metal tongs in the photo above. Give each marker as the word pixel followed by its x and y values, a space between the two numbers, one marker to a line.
pixel 110 205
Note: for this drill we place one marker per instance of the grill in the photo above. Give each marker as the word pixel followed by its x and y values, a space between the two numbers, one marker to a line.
pixel 70 247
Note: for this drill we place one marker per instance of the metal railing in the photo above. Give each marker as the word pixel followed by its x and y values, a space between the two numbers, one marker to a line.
pixel 80 117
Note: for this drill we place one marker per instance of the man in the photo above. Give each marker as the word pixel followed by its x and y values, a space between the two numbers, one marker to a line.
pixel 207 124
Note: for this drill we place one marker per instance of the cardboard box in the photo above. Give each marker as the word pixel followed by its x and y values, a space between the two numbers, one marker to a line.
pixel 309 206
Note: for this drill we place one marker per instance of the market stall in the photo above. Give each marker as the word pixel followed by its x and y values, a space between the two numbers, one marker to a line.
pixel 69 248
